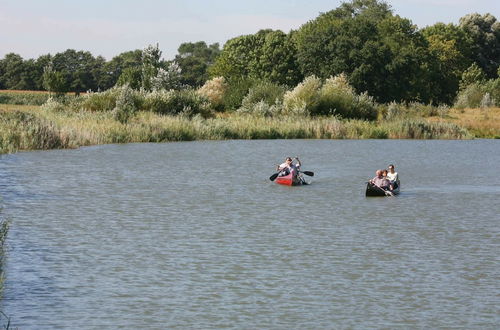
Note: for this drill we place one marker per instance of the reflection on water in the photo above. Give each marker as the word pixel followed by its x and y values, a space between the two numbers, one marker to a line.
pixel 194 235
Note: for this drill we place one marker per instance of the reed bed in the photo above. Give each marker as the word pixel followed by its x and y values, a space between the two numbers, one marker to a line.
pixel 34 128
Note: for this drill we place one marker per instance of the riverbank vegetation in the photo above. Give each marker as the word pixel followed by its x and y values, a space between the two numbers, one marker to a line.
pixel 373 75
pixel 37 128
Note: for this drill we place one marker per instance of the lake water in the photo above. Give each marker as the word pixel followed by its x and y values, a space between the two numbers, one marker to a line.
pixel 194 235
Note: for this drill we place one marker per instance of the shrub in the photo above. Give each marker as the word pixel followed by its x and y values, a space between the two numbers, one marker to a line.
pixel 125 104
pixel 334 97
pixel 304 98
pixel 470 97
pixel 395 110
pixel 184 102
pixel 266 92
pixel 100 101
pixel 24 131
pixel 213 90
pixel 53 104
pixel 237 89
pixel 158 101
pixel 421 129
pixel 261 109
pixel 106 101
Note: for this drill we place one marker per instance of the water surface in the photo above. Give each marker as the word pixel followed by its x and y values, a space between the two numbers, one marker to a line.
pixel 194 235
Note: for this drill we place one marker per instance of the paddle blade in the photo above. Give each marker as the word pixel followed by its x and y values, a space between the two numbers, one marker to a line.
pixel 308 173
pixel 274 176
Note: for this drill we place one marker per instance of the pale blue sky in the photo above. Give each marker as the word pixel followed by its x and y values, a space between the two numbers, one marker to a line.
pixel 108 27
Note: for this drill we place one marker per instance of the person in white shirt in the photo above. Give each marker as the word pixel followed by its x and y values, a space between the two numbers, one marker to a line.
pixel 392 175
pixel 289 167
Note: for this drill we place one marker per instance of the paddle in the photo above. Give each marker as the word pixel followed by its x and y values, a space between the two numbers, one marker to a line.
pixel 307 173
pixel 274 176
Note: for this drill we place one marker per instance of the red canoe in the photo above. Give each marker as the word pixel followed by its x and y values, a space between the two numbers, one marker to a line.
pixel 287 180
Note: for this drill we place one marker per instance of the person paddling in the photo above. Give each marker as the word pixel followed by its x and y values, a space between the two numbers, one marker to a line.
pixel 380 181
pixel 289 167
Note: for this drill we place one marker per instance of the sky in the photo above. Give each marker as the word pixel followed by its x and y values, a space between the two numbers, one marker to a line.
pixel 32 28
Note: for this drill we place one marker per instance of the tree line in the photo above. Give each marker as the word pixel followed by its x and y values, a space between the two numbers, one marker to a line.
pixel 380 53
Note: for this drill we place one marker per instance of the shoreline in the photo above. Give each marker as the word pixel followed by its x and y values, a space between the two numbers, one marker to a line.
pixel 34 128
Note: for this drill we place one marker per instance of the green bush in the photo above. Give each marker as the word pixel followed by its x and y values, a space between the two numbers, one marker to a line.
pixel 261 109
pixel 237 89
pixel 100 101
pixel 394 110
pixel 333 97
pixel 158 101
pixel 268 92
pixel 125 104
pixel 263 99
pixel 304 98
pixel 422 129
pixel 106 100
pixel 24 131
pixel 179 102
pixel 480 94
pixel 53 104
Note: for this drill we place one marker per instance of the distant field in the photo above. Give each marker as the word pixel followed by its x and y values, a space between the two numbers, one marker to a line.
pixel 12 91
pixel 20 97
pixel 483 123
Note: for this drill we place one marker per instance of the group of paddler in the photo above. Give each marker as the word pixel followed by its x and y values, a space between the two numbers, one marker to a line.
pixel 385 179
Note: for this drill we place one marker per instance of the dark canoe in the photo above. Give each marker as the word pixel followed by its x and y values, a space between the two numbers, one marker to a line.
pixel 373 190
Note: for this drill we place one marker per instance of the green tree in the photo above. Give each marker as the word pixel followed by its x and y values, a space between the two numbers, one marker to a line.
pixel 382 54
pixel 194 60
pixel 268 55
pixel 483 32
pixel 276 61
pixel 449 57
pixel 473 74
pixel 79 69
pixel 236 58
pixel 53 81
pixel 128 61
pixel 14 72
pixel 40 64
pixel 130 76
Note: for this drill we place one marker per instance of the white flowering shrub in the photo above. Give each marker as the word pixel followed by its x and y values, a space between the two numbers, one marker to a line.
pixel 262 109
pixel 304 98
pixel 158 101
pixel 213 90
pixel 167 79
pixel 333 97
pixel 150 65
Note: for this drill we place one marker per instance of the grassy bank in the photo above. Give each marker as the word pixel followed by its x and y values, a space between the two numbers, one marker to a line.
pixel 482 123
pixel 32 128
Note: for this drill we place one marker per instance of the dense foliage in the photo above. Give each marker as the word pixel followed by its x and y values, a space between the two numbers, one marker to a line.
pixel 379 52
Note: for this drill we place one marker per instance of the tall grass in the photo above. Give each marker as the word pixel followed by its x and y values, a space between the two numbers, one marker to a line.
pixel 482 123
pixel 36 129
